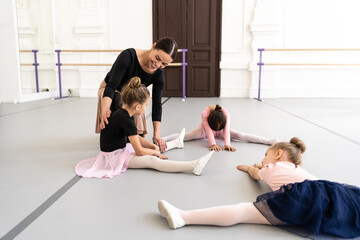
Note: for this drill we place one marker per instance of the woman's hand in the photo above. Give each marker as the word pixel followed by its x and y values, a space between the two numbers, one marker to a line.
pixel 229 148
pixel 215 148
pixel 104 118
pixel 244 168
pixel 160 142
pixel 105 114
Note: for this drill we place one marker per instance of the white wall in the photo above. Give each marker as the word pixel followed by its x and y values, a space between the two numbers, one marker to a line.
pixel 246 26
pixel 307 24
pixel 236 52
pixel 98 24
pixel 10 81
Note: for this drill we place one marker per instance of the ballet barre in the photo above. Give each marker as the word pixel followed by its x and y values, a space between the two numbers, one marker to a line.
pixel 35 64
pixel 261 50
pixel 95 50
pixel 308 49
pixel 182 64
pixel 311 64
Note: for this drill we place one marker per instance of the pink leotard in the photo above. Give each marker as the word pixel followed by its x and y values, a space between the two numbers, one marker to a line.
pixel 211 134
pixel 280 173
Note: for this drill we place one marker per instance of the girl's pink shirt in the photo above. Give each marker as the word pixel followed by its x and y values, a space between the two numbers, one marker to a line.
pixel 212 134
pixel 280 173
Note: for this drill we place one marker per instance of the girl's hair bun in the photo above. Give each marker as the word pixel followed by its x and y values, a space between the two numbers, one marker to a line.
pixel 218 107
pixel 134 92
pixel 217 119
pixel 298 144
pixel 134 82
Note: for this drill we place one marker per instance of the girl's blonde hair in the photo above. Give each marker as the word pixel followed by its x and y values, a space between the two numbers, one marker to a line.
pixel 294 149
pixel 134 92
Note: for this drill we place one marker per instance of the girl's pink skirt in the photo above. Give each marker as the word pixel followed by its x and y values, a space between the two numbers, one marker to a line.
pixel 106 164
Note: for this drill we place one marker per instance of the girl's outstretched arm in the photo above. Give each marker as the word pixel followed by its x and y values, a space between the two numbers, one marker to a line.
pixel 252 171
pixel 147 144
pixel 258 165
pixel 208 131
pixel 142 151
pixel 226 131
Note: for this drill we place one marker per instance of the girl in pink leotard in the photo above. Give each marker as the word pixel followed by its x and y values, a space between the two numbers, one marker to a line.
pixel 216 125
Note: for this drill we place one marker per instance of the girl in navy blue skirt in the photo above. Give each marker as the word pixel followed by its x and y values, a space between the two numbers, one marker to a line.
pixel 299 201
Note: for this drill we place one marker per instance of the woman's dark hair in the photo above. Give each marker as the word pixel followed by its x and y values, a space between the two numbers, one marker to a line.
pixel 217 119
pixel 294 148
pixel 134 92
pixel 168 45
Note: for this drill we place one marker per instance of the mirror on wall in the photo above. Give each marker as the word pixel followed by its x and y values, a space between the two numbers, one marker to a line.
pixel 36 44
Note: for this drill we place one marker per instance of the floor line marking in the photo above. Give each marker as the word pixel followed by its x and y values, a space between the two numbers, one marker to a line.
pixel 313 123
pixel 48 203
pixel 36 108
pixel 40 210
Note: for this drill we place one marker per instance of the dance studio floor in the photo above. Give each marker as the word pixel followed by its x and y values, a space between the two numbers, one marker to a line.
pixel 41 142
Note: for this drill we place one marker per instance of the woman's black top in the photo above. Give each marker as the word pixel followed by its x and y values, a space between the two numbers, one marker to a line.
pixel 127 66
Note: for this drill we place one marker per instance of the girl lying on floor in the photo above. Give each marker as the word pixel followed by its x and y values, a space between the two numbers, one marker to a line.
pixel 298 199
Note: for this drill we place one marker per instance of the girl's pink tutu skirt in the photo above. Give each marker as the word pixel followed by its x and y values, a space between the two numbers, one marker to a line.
pixel 106 164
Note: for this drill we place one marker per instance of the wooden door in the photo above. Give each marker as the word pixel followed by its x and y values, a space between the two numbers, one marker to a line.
pixel 195 25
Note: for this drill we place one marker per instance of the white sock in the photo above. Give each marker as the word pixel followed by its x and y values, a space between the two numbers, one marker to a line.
pixel 202 162
pixel 178 142
pixel 181 138
pixel 171 213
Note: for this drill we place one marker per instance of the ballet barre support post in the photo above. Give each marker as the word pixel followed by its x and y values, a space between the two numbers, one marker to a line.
pixel 59 72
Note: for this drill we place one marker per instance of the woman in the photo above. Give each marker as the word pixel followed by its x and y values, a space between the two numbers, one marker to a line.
pixel 147 65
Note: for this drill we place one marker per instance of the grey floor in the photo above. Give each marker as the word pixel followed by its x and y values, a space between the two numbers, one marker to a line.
pixel 42 141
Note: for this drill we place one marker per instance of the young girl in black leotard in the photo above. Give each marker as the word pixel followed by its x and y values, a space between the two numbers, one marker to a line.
pixel 117 154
